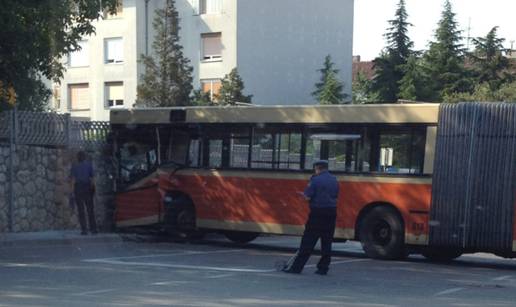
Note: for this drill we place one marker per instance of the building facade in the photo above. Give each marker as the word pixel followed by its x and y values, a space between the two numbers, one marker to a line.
pixel 277 46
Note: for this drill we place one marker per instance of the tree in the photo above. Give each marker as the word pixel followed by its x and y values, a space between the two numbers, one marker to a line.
pixel 201 98
pixel 329 89
pixel 362 92
pixel 35 36
pixel 483 92
pixel 231 90
pixel 413 84
pixel 444 61
pixel 490 63
pixel 167 80
pixel 389 66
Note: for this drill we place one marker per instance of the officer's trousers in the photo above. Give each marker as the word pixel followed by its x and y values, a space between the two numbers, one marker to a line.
pixel 84 199
pixel 320 225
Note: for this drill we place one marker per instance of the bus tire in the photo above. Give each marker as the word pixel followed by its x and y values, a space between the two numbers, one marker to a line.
pixel 441 255
pixel 241 237
pixel 382 235
pixel 182 223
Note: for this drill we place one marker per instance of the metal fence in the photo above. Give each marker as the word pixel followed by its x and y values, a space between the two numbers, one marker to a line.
pixel 50 129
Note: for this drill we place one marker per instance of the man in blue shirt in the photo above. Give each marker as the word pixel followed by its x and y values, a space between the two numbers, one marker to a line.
pixel 322 193
pixel 83 183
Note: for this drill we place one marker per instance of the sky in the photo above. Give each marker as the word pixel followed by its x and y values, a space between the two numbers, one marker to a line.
pixel 371 21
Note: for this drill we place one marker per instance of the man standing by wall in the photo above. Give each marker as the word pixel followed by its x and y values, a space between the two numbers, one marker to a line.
pixel 83 183
pixel 322 193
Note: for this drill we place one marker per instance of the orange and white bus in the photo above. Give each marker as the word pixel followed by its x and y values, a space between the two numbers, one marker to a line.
pixel 238 170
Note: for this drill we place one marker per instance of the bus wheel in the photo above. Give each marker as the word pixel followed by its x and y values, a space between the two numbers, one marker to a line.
pixel 381 234
pixel 184 224
pixel 241 236
pixel 441 255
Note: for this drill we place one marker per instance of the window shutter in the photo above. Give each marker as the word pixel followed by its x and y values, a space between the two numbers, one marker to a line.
pixel 79 96
pixel 114 94
pixel 212 46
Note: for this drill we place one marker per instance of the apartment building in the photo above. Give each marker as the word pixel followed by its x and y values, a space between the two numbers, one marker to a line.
pixel 277 46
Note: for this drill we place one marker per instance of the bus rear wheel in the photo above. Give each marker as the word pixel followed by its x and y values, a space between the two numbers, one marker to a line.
pixel 441 255
pixel 241 237
pixel 382 235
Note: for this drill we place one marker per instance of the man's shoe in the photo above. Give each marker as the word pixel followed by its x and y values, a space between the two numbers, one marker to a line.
pixel 321 272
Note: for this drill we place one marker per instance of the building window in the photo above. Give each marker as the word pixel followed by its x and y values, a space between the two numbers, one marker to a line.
pixel 211 46
pixel 114 94
pixel 210 6
pixel 114 50
pixel 79 58
pixel 211 86
pixel 79 97
pixel 118 13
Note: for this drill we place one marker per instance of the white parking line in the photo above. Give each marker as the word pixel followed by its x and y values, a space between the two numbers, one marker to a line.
pixel 502 277
pixel 179 266
pixel 452 290
pixel 95 292
pixel 182 253
pixel 117 261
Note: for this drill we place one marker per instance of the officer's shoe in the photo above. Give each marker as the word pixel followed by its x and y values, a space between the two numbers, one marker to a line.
pixel 321 272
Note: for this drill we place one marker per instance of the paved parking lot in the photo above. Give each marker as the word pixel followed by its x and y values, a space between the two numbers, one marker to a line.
pixel 215 272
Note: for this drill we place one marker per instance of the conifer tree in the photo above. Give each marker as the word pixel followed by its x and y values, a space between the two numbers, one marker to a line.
pixel 444 61
pixel 329 89
pixel 389 65
pixel 167 80
pixel 231 90
pixel 413 84
pixel 490 63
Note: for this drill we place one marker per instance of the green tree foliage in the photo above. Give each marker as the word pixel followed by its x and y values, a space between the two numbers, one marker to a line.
pixel 231 90
pixel 35 36
pixel 389 65
pixel 483 92
pixel 490 63
pixel 329 89
pixel 362 92
pixel 201 98
pixel 167 79
pixel 444 61
pixel 413 85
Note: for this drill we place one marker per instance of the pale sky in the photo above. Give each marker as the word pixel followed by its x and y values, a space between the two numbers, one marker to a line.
pixel 371 18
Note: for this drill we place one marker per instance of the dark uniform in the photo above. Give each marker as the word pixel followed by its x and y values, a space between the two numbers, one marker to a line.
pixel 82 174
pixel 323 191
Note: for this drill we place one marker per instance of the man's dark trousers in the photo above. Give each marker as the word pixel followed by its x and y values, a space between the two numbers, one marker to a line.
pixel 84 200
pixel 320 225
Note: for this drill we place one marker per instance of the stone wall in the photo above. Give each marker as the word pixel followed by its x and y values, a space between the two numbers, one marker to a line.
pixel 42 189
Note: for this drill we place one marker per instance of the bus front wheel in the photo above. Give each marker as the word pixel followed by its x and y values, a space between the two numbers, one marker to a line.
pixel 382 235
pixel 241 236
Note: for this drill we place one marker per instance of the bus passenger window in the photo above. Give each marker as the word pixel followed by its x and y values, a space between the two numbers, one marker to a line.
pixel 288 150
pixel 215 154
pixel 401 153
pixel 313 152
pixel 194 153
pixel 239 152
pixel 262 151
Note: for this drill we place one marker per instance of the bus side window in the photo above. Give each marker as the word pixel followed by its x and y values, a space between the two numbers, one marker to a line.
pixel 194 153
pixel 401 152
pixel 215 153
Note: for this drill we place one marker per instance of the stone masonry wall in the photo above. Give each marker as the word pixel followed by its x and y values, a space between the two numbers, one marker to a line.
pixel 42 189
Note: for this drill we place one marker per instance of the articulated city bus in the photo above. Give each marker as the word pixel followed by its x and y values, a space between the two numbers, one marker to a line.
pixel 238 170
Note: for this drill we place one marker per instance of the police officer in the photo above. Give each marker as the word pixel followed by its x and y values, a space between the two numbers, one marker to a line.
pixel 83 183
pixel 322 193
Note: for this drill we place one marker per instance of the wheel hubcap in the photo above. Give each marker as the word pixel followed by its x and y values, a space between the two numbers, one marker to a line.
pixel 382 233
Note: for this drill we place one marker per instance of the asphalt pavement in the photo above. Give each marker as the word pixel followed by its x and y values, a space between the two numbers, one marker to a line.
pixel 140 270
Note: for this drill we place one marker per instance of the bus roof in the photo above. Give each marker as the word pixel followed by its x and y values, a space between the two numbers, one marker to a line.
pixel 371 113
